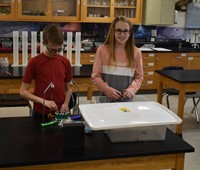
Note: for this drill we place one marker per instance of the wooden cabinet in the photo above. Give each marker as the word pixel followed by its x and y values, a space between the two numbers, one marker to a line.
pixel 37 10
pixel 65 10
pixel 148 67
pixel 193 60
pixel 49 10
pixel 161 60
pixel 158 12
pixel 107 10
pixel 86 58
pixel 179 59
pixel 70 10
pixel 7 10
pixel 151 62
pixel 40 10
pixel 98 11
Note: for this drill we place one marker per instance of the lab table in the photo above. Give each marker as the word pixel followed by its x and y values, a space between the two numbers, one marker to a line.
pixel 182 80
pixel 26 145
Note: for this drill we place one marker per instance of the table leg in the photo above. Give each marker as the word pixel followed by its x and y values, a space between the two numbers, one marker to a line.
pixel 89 93
pixel 181 101
pixel 179 161
pixel 160 92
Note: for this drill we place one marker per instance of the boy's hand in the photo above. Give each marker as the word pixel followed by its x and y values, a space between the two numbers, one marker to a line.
pixel 64 108
pixel 51 105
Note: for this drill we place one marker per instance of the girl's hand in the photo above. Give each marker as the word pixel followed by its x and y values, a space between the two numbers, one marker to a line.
pixel 114 94
pixel 127 93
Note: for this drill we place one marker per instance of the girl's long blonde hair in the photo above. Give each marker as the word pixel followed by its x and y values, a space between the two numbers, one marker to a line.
pixel 110 41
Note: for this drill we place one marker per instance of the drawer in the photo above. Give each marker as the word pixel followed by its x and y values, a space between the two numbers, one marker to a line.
pixel 179 56
pixel 148 84
pixel 148 55
pixel 86 58
pixel 147 65
pixel 179 63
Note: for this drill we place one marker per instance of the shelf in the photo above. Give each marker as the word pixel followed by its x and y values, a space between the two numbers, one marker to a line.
pixel 99 6
pixel 4 4
pixel 125 7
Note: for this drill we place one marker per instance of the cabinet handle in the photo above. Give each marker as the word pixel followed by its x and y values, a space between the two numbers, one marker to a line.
pixel 145 66
pixel 84 2
pixel 91 61
pixel 91 55
pixel 151 54
pixel 190 58
pixel 144 85
pixel 179 57
pixel 78 2
pixel 19 1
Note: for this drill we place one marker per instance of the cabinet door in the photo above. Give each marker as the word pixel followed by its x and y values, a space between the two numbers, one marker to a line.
pixel 157 12
pixel 161 60
pixel 86 58
pixel 34 10
pixel 7 9
pixel 132 9
pixel 179 59
pixel 107 10
pixel 97 10
pixel 65 10
pixel 193 60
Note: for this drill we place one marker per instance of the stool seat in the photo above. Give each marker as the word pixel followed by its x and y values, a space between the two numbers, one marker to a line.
pixel 14 100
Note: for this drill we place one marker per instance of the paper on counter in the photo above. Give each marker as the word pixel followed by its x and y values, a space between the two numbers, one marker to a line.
pixel 145 49
pixel 161 49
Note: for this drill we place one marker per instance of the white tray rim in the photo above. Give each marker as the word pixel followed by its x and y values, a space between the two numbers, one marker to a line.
pixel 93 127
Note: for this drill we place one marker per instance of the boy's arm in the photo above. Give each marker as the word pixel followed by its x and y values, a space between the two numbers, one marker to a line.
pixel 24 92
pixel 68 93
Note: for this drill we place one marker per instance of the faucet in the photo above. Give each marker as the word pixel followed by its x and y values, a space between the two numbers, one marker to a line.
pixel 196 38
pixel 195 45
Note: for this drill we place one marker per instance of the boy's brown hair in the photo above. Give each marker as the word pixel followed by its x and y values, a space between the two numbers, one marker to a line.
pixel 52 33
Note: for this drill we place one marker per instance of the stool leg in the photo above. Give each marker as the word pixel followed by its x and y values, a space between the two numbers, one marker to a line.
pixel 195 109
pixel 167 100
pixel 30 110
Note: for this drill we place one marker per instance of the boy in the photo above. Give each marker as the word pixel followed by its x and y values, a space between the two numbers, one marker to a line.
pixel 52 74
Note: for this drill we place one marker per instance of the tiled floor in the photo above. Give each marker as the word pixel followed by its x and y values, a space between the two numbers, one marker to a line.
pixel 191 129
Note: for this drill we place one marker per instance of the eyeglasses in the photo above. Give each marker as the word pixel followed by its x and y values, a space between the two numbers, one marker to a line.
pixel 125 32
pixel 51 50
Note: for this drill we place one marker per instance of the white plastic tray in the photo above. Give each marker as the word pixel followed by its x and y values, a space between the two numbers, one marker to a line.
pixel 104 116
